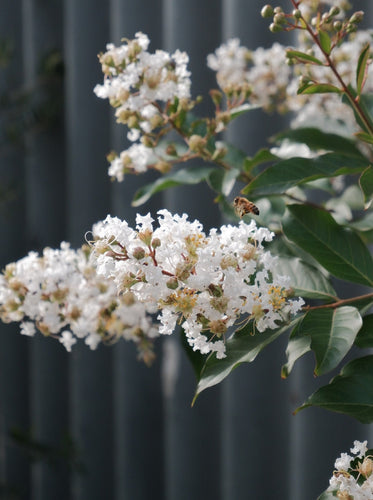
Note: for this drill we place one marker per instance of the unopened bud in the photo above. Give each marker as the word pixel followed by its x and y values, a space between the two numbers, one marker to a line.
pixel 337 25
pixel 216 96
pixel 156 242
pixel 297 14
pixel 163 166
pixel 267 11
pixel 197 143
pixel 171 150
pixel 277 10
pixel 334 11
pixel 172 283
pixel 366 467
pixel 357 17
pixel 147 141
pixel 138 253
pixel 275 28
pixel 279 18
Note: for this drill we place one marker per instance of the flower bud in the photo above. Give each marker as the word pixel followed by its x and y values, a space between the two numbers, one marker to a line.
pixel 171 150
pixel 216 96
pixel 297 14
pixel 334 11
pixel 278 10
pixel 267 11
pixel 147 141
pixel 138 253
pixel 279 18
pixel 163 166
pixel 197 143
pixel 366 467
pixel 172 283
pixel 275 28
pixel 337 25
pixel 156 242
pixel 357 17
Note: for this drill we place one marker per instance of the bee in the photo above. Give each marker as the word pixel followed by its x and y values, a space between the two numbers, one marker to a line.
pixel 242 206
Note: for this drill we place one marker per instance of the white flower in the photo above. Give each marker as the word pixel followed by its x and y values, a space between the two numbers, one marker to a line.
pixel 28 328
pixel 67 340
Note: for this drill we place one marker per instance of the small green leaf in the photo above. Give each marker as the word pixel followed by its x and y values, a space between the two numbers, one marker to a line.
pixel 241 347
pixel 366 185
pixel 223 181
pixel 285 174
pixel 335 247
pixel 303 57
pixel 364 338
pixel 318 88
pixel 363 136
pixel 191 175
pixel 240 110
pixel 331 333
pixel 349 393
pixel 325 41
pixel 366 106
pixel 328 495
pixel 306 281
pixel 362 68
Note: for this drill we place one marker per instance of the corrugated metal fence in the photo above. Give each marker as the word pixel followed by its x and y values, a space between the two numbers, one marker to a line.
pixel 130 426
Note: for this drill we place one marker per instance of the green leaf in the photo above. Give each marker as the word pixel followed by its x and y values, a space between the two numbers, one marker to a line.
pixel 366 105
pixel 318 88
pixel 240 110
pixel 336 248
pixel 362 68
pixel 317 139
pixel 241 347
pixel 363 136
pixel 306 281
pixel 325 41
pixel 262 156
pixel 303 57
pixel 191 175
pixel 235 157
pixel 285 174
pixel 328 495
pixel 223 181
pixel 364 338
pixel 349 393
pixel 366 185
pixel 329 332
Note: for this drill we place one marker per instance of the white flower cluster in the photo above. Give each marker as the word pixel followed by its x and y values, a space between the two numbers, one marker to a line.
pixel 353 476
pixel 274 83
pixel 61 294
pixel 205 282
pixel 142 87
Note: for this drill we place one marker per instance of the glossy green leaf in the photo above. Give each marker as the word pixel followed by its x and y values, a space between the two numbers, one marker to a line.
pixel 325 41
pixel 318 88
pixel 223 181
pixel 363 136
pixel 349 393
pixel 335 247
pixel 317 139
pixel 303 57
pixel 240 110
pixel 366 185
pixel 306 281
pixel 261 157
pixel 235 157
pixel 191 175
pixel 366 106
pixel 364 338
pixel 285 174
pixel 328 332
pixel 362 68
pixel 241 347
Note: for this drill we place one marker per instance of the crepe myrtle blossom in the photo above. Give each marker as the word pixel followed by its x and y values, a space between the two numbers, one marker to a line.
pixel 60 294
pixel 206 283
pixel 352 477
pixel 142 86
pixel 274 84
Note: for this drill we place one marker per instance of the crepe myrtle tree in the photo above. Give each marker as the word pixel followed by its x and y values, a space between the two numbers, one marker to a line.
pixel 270 271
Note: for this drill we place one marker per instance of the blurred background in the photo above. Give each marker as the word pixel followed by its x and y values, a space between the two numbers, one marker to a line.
pixel 101 425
